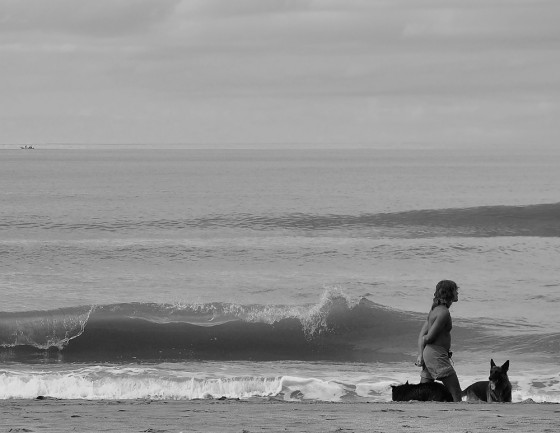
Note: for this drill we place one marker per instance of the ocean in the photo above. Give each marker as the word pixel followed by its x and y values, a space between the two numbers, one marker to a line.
pixel 138 272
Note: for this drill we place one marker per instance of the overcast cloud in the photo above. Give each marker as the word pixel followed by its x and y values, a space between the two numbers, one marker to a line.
pixel 318 72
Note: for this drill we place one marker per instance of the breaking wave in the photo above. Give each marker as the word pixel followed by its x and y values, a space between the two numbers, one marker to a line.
pixel 334 329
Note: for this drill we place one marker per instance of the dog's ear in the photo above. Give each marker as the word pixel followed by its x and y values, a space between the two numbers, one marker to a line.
pixel 492 364
pixel 505 367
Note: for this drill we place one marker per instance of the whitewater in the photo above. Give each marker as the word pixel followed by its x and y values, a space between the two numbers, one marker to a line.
pixel 150 273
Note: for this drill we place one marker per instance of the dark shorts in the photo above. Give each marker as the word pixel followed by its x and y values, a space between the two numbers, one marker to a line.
pixel 437 363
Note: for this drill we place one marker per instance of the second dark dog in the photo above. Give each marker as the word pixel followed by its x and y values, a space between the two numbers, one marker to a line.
pixel 496 389
pixel 428 391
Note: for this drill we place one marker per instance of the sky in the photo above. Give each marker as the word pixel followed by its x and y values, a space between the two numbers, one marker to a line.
pixel 280 72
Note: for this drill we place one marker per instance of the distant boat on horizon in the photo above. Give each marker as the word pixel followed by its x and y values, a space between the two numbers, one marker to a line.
pixel 26 147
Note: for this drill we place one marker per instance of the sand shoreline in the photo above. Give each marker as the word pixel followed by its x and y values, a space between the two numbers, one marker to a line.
pixel 51 415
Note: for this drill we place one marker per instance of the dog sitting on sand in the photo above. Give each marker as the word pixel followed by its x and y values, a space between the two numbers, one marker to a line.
pixel 496 389
pixel 428 391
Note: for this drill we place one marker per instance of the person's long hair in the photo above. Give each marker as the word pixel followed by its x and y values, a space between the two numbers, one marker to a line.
pixel 444 294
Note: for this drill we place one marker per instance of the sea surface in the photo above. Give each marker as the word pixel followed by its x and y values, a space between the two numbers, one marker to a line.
pixel 138 272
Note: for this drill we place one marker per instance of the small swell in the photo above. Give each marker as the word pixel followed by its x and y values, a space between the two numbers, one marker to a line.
pixel 483 221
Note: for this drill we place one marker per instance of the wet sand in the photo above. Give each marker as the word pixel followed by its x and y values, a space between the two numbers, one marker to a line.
pixel 50 415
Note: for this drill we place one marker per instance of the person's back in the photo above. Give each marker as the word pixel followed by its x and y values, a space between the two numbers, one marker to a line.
pixel 442 334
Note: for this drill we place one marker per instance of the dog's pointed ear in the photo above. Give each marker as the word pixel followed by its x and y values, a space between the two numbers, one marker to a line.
pixel 492 364
pixel 505 367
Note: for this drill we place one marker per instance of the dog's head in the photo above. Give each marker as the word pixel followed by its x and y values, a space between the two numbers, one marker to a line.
pixel 498 375
pixel 399 391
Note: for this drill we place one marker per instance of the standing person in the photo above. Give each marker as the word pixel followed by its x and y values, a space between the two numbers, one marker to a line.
pixel 434 341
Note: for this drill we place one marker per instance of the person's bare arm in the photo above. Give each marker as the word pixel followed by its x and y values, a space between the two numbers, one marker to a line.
pixel 421 344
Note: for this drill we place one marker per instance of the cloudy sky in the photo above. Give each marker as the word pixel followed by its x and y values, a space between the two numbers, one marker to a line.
pixel 297 72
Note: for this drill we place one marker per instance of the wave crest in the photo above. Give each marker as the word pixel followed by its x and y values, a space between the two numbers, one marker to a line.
pixel 337 328
pixel 43 329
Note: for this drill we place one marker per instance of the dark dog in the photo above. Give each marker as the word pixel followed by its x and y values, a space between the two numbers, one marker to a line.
pixel 428 391
pixel 496 389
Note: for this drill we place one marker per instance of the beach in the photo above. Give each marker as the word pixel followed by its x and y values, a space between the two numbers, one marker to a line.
pixel 51 415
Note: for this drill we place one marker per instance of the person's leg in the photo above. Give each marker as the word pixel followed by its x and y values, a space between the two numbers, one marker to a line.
pixel 451 382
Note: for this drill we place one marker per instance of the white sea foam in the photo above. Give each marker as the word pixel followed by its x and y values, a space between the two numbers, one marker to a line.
pixel 123 384
pixel 321 383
